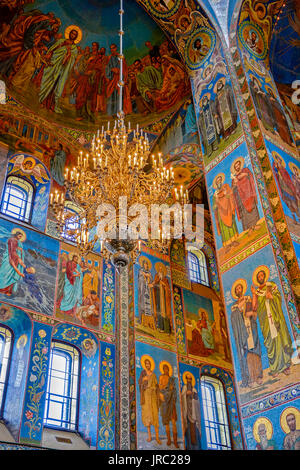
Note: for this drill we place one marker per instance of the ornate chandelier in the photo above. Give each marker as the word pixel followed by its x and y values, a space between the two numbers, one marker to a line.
pixel 119 165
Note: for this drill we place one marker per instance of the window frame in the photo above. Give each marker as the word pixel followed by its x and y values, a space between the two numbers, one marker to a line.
pixel 226 425
pixel 71 426
pixel 198 279
pixel 71 207
pixel 24 219
pixel 8 368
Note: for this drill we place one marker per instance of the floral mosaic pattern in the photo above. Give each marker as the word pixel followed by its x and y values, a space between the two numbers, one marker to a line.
pixel 108 295
pixel 107 399
pixel 32 427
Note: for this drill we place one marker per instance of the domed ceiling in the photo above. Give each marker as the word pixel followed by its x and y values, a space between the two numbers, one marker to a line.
pixel 285 44
pixel 58 59
pixel 285 57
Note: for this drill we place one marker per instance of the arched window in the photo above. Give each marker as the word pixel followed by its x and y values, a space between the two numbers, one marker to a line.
pixel 5 354
pixel 17 200
pixel 198 267
pixel 72 222
pixel 62 398
pixel 215 414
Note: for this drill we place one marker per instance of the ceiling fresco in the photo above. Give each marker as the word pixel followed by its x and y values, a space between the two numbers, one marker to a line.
pixel 60 60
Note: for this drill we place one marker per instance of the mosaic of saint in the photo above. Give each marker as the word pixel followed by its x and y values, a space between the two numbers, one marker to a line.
pixel 158 399
pixel 237 212
pixel 263 346
pixel 153 299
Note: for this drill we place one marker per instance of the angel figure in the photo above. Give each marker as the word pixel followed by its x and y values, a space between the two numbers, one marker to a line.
pixel 28 166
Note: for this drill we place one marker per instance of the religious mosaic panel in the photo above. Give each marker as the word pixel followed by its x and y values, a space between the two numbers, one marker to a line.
pixel 215 106
pixel 28 265
pixel 277 429
pixel 262 337
pixel 181 130
pixel 192 415
pixel 269 59
pixel 79 288
pixel 158 399
pixel 153 299
pixel 267 103
pixel 206 330
pixel 286 170
pixel 235 206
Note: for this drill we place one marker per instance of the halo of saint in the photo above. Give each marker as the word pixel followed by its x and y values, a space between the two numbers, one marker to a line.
pixel 143 259
pixel 277 156
pixel 199 47
pixel 252 38
pixel 202 312
pixel 294 168
pixel 5 312
pixel 71 254
pixel 241 282
pixel 145 358
pixel 263 268
pixel 284 414
pixel 239 159
pixel 219 175
pixel 22 341
pixel 73 27
pixel 31 160
pixel 185 376
pixel 268 426
pixel 165 363
pixel 161 266
pixel 220 80
pixel 19 230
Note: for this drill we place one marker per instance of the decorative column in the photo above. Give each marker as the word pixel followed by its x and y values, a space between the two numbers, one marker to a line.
pixel 124 359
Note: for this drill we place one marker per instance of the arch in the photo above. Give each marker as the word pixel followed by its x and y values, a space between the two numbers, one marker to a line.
pixel 231 401
pixel 216 418
pixel 72 221
pixel 31 171
pixel 89 346
pixel 18 198
pixel 62 395
pixel 197 266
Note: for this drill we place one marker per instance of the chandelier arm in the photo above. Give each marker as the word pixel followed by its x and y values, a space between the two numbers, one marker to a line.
pixel 115 168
